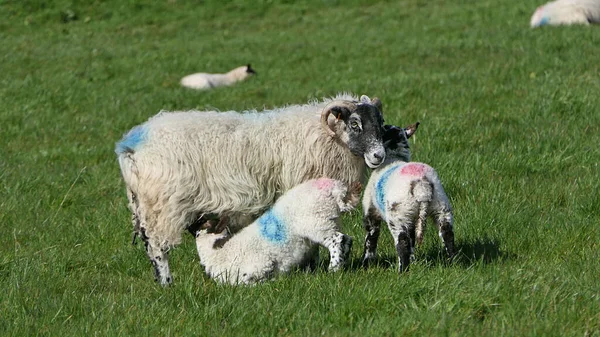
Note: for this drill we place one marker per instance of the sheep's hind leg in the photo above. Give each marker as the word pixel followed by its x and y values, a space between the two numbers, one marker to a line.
pixel 372 227
pixel 339 246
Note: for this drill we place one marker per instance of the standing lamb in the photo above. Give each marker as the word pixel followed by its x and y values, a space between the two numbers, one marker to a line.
pixel 403 194
pixel 179 167
pixel 204 81
pixel 284 237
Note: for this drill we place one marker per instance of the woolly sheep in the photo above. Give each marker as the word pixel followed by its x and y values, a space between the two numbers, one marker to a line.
pixel 404 194
pixel 567 12
pixel 284 237
pixel 180 168
pixel 204 81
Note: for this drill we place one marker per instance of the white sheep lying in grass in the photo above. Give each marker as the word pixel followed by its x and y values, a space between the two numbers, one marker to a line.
pixel 567 12
pixel 204 81
pixel 183 166
pixel 283 237
pixel 404 194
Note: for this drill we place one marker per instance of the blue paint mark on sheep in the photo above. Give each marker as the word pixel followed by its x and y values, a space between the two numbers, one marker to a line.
pixel 132 140
pixel 380 188
pixel 272 228
pixel 545 21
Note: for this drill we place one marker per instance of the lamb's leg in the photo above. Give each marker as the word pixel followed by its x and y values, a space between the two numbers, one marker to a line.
pixel 372 225
pixel 401 233
pixel 312 259
pixel 339 246
pixel 445 225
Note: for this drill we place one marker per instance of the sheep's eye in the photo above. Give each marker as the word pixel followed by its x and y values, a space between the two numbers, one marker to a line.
pixel 354 125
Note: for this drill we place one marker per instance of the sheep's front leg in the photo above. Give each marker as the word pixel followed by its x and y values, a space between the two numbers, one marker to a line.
pixel 372 227
pixel 339 246
pixel 159 258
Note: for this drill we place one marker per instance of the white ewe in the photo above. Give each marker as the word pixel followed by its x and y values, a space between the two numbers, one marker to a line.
pixel 203 81
pixel 567 12
pixel 404 194
pixel 283 238
pixel 183 166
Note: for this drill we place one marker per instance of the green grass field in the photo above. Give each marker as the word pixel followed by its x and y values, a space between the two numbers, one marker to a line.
pixel 510 119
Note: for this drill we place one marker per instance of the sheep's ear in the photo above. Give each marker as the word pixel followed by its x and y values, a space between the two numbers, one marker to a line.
pixel 411 129
pixel 377 102
pixel 249 69
pixel 365 99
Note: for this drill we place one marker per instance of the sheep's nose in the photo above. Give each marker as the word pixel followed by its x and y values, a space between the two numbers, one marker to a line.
pixel 379 156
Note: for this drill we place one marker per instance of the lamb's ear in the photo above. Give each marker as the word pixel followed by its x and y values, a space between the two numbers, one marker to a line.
pixel 365 99
pixel 411 129
pixel 249 69
pixel 222 224
pixel 377 102
pixel 208 225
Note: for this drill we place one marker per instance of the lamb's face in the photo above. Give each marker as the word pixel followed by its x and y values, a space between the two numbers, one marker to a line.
pixel 360 127
pixel 395 141
pixel 212 230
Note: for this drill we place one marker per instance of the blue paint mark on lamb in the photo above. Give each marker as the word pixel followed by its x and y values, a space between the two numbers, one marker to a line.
pixel 380 188
pixel 272 228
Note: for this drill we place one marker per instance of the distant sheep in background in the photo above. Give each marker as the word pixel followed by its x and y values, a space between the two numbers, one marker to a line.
pixel 567 12
pixel 204 81
pixel 404 194
pixel 283 237
pixel 180 167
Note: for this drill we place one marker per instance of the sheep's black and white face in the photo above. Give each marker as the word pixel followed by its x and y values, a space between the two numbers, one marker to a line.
pixel 395 141
pixel 362 130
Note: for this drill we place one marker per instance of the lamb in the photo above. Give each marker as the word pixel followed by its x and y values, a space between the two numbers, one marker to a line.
pixel 204 81
pixel 284 237
pixel 181 168
pixel 404 194
pixel 566 12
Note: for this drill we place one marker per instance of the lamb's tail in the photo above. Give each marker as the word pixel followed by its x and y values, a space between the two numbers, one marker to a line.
pixel 422 191
pixel 347 201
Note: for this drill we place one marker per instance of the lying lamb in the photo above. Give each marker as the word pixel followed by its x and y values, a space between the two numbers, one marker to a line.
pixel 204 81
pixel 566 12
pixel 404 194
pixel 283 237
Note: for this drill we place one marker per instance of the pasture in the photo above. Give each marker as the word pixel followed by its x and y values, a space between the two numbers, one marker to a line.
pixel 510 119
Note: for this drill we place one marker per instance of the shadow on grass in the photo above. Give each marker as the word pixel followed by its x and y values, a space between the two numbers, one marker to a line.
pixel 483 251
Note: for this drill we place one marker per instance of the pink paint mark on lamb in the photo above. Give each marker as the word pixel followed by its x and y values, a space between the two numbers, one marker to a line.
pixel 414 169
pixel 324 183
